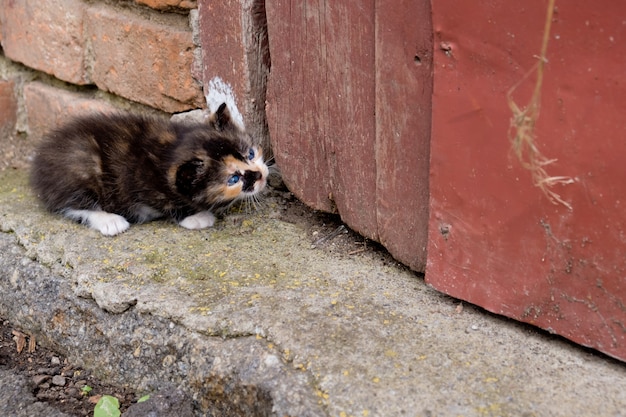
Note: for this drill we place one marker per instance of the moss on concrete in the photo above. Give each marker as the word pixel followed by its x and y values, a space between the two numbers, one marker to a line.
pixel 348 335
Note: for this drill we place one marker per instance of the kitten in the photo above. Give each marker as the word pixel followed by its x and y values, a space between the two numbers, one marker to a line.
pixel 107 171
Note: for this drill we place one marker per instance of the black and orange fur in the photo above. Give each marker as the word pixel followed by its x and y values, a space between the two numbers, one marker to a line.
pixel 99 168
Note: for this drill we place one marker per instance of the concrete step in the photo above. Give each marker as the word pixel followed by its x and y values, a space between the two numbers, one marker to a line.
pixel 249 319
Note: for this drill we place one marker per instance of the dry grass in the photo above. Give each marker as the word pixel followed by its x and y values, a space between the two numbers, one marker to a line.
pixel 522 130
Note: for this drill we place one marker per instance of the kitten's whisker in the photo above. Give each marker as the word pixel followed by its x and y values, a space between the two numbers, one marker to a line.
pixel 255 202
pixel 251 203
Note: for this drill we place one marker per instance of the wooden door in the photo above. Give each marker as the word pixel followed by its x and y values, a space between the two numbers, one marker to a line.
pixel 348 105
pixel 496 239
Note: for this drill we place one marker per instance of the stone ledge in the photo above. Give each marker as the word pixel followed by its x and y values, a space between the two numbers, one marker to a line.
pixel 248 319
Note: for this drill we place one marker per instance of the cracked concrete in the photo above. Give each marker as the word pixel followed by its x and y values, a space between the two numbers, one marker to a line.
pixel 248 319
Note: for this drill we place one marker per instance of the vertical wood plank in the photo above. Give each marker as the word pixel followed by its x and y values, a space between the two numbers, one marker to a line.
pixel 496 240
pixel 296 115
pixel 235 56
pixel 351 133
pixel 403 116
pixel 349 114
pixel 320 105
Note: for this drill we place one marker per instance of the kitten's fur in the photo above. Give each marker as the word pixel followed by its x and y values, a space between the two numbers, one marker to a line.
pixel 107 171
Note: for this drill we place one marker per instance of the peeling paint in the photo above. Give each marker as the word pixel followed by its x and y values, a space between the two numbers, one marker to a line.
pixel 222 92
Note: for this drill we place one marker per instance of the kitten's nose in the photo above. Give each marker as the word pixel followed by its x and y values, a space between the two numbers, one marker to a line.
pixel 249 179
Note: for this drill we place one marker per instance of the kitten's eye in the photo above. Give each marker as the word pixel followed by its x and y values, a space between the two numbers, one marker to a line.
pixel 251 154
pixel 234 179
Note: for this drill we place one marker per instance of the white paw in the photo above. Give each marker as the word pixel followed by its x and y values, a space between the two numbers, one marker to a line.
pixel 108 224
pixel 199 220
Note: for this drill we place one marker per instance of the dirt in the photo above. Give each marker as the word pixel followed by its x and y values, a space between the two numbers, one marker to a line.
pixel 54 380
pixel 326 231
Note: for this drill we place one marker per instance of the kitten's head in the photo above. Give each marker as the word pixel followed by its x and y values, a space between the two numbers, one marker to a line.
pixel 217 164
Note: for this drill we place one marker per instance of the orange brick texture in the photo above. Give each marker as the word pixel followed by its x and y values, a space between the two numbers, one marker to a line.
pixel 60 58
pixel 48 106
pixel 140 55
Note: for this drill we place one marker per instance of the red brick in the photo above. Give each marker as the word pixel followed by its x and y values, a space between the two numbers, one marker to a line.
pixel 48 107
pixel 46 35
pixel 168 4
pixel 8 108
pixel 142 59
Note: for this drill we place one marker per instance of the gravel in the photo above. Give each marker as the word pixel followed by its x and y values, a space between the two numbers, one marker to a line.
pixel 43 383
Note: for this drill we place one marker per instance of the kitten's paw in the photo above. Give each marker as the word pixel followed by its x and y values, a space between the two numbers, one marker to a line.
pixel 108 224
pixel 199 220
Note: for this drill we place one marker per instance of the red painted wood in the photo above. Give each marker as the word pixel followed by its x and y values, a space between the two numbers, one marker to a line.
pixel 347 45
pixel 295 116
pixel 403 123
pixel 495 240
pixel 321 105
pixel 349 113
pixel 235 52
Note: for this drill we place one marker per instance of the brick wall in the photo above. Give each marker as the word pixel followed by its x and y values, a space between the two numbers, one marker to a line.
pixel 63 57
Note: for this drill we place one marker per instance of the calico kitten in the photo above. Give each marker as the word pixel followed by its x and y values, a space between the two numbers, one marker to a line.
pixel 107 171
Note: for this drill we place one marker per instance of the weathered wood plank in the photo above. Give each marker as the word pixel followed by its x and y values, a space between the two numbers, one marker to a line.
pixel 321 105
pixel 495 239
pixel 350 136
pixel 403 121
pixel 296 116
pixel 235 60
pixel 351 120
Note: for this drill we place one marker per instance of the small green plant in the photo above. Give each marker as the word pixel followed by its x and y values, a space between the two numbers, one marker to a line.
pixel 86 390
pixel 108 406
pixel 144 398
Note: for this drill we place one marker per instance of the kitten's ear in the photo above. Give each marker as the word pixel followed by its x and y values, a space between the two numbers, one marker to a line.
pixel 187 176
pixel 221 119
